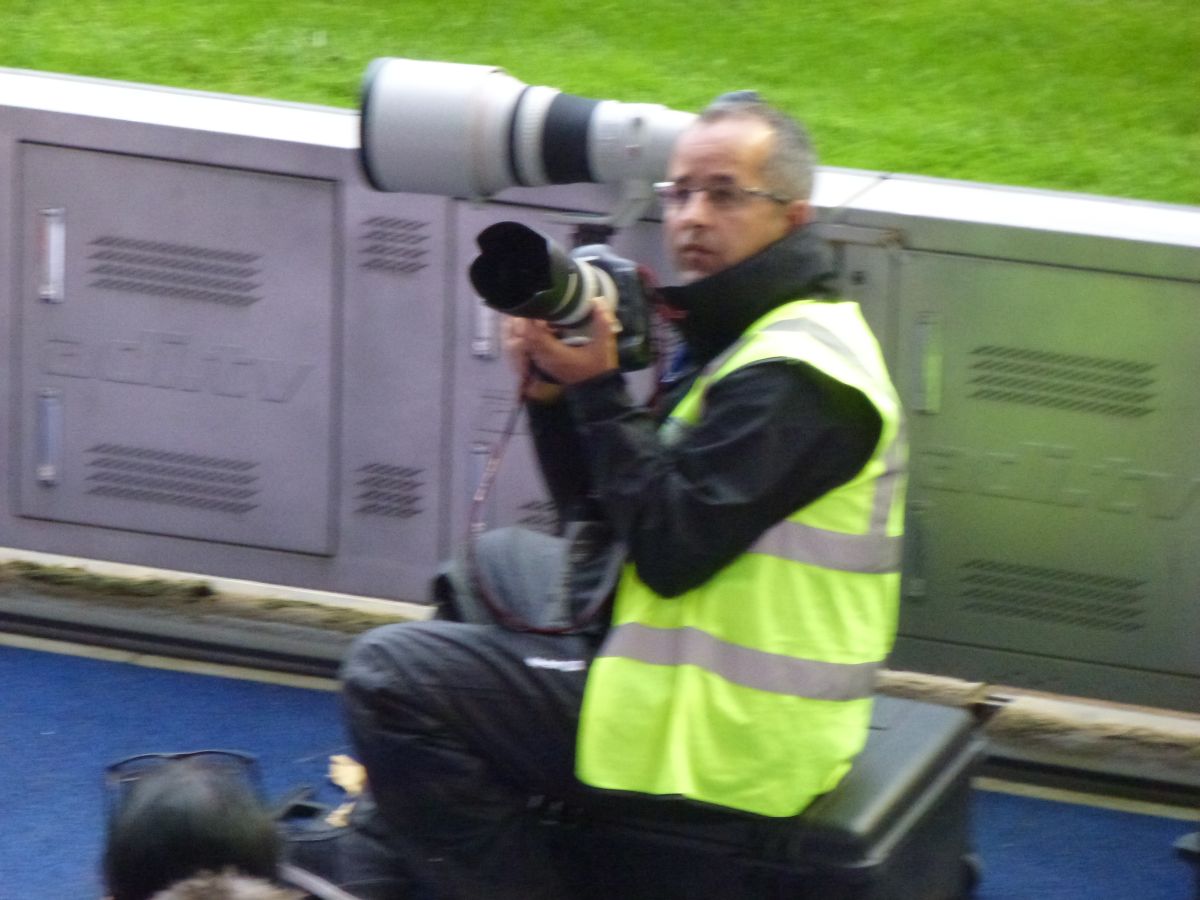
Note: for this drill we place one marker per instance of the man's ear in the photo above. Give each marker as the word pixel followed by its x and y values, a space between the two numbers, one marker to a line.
pixel 799 213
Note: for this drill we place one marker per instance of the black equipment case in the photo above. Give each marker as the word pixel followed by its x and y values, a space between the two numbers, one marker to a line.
pixel 896 828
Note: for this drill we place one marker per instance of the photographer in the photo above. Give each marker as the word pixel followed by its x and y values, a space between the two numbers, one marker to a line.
pixel 747 528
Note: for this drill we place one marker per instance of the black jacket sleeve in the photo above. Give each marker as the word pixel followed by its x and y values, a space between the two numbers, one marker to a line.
pixel 774 436
pixel 560 457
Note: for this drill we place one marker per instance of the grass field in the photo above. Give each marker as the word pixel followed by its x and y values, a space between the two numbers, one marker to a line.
pixel 1100 96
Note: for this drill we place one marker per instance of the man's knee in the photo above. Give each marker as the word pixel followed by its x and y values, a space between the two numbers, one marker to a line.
pixel 408 661
pixel 380 661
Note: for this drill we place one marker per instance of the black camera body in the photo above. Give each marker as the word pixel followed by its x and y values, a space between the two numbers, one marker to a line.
pixel 521 272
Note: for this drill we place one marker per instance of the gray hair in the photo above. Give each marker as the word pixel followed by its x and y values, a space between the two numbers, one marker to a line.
pixel 226 886
pixel 790 167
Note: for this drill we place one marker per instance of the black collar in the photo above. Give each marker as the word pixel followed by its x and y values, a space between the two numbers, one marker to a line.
pixel 712 313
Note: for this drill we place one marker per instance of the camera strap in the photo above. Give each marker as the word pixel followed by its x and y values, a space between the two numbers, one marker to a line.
pixel 587 542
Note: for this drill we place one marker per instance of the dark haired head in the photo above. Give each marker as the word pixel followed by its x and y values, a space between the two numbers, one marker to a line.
pixel 181 818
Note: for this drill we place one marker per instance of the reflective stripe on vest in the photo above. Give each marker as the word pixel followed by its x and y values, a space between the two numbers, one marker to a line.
pixel 758 669
pixel 875 552
pixel 869 553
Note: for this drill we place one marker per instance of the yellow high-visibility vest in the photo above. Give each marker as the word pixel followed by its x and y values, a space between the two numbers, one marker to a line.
pixel 753 691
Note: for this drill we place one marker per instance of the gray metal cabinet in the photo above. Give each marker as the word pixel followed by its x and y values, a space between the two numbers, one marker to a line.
pixel 1055 496
pixel 177 348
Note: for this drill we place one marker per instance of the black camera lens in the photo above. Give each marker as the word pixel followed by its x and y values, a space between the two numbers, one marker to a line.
pixel 521 272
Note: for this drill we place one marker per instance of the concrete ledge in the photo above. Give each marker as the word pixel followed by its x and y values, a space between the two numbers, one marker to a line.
pixel 1112 739
pixel 229 586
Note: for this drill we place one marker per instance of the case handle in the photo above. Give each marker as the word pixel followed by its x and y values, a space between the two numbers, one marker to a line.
pixel 52 251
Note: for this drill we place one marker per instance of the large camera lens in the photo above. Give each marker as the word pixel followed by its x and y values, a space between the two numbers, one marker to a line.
pixel 470 131
pixel 521 272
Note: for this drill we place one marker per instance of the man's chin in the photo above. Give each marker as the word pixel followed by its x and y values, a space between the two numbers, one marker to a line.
pixel 688 274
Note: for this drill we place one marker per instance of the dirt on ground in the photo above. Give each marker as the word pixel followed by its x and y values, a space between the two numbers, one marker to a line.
pixel 188 599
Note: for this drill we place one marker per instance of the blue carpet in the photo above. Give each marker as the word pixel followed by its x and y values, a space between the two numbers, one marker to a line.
pixel 1041 850
pixel 63 718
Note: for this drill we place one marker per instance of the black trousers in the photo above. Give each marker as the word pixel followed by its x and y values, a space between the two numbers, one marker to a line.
pixel 460 724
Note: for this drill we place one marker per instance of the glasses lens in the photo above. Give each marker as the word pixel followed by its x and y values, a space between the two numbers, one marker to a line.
pixel 721 196
pixel 121 776
pixel 135 767
pixel 725 196
pixel 670 193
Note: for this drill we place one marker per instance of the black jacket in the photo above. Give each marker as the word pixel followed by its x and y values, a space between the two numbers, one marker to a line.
pixel 773 436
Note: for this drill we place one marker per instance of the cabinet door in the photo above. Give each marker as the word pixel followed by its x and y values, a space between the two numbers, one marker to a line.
pixel 1055 497
pixel 176 348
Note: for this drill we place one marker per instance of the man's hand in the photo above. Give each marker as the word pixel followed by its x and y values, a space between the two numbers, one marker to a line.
pixel 533 341
pixel 516 333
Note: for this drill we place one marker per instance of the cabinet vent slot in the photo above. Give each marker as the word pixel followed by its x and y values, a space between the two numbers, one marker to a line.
pixel 179 271
pixel 394 246
pixel 141 474
pixel 1053 596
pixel 1112 387
pixel 388 490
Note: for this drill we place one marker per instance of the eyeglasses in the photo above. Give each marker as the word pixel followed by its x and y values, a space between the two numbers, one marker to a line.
pixel 121 776
pixel 721 195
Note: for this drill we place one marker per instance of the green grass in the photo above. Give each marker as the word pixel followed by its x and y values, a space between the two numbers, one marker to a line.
pixel 1100 96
